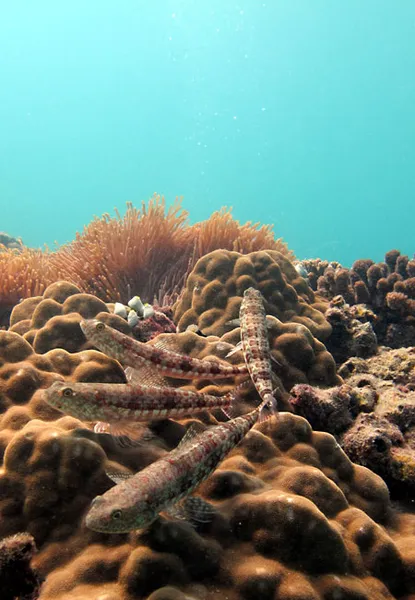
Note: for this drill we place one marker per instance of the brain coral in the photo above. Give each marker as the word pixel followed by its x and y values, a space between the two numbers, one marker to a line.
pixel 52 320
pixel 214 290
pixel 294 517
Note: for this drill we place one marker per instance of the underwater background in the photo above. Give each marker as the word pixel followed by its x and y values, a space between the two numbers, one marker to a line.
pixel 193 405
pixel 296 113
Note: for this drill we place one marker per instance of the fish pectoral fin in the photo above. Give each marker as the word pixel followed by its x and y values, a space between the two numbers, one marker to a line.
pixel 276 382
pixel 101 427
pixel 235 349
pixel 193 510
pixel 132 375
pixel 144 375
pixel 197 510
pixel 233 323
pixel 229 411
pixel 176 512
pixel 125 434
pixel 270 321
pixel 168 344
pixel 116 475
pixel 274 360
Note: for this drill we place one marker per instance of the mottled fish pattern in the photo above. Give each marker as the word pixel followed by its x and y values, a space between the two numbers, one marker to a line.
pixel 255 345
pixel 136 502
pixel 111 402
pixel 131 352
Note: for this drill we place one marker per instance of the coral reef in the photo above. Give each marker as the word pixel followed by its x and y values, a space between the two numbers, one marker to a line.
pixel 373 414
pixel 159 322
pixel 149 250
pixel 8 241
pixel 17 578
pixel 214 289
pixel 387 288
pixel 52 320
pixel 292 516
pixel 352 330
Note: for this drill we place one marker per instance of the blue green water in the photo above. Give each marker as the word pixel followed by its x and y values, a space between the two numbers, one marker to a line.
pixel 297 112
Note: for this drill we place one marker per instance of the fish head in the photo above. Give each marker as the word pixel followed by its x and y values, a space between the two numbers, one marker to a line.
pixel 115 513
pixel 92 328
pixel 252 294
pixel 100 334
pixel 63 396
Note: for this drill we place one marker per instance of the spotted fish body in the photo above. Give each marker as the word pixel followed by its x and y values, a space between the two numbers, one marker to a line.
pixel 255 345
pixel 111 402
pixel 137 501
pixel 131 352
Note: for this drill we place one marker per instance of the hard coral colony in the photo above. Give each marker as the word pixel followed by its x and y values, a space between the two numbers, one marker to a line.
pixel 221 489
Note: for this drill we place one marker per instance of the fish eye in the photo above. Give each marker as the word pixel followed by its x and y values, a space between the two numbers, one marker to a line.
pixel 67 392
pixel 99 326
pixel 116 514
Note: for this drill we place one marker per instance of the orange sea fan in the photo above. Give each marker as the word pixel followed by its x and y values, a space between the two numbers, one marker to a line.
pixel 221 230
pixel 118 257
pixel 147 251
pixel 23 273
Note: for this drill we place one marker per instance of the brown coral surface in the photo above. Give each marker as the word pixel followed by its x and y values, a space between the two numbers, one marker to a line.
pixel 214 289
pixel 294 518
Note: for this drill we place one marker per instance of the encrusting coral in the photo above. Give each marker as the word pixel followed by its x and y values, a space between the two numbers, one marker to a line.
pixel 373 414
pixel 387 288
pixel 353 333
pixel 52 320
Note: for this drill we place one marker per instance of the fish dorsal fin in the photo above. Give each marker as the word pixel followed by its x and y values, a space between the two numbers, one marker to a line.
pixel 116 475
